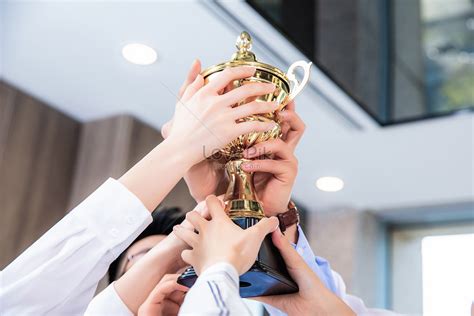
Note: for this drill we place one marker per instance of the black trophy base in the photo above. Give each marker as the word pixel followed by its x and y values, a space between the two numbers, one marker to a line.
pixel 267 276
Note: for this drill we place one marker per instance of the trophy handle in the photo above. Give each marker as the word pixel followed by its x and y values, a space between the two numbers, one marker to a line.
pixel 298 85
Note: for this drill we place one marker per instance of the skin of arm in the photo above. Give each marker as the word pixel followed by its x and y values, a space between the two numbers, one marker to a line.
pixel 135 285
pixel 313 298
pixel 219 239
pixel 204 119
pixel 165 299
pixel 276 173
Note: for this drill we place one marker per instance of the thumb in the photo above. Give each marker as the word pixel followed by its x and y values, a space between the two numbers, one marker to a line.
pixel 298 269
pixel 265 226
pixel 165 130
pixel 292 259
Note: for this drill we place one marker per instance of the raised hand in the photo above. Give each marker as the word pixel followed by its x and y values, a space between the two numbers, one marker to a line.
pixel 209 169
pixel 165 299
pixel 221 240
pixel 313 298
pixel 275 173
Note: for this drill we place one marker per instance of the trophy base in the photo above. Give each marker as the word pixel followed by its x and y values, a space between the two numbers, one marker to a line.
pixel 267 276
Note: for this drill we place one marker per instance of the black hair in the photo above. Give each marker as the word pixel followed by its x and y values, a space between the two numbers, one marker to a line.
pixel 164 219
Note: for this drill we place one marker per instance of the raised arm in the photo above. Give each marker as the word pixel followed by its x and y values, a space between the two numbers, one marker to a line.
pixel 59 273
pixel 221 251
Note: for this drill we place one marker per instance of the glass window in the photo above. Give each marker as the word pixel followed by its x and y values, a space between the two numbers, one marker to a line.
pixel 448 274
pixel 431 269
pixel 400 60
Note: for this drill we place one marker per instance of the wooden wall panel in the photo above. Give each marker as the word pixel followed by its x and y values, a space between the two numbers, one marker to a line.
pixel 111 146
pixel 49 163
pixel 38 152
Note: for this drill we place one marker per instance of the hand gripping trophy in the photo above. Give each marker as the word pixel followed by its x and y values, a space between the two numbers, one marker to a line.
pixel 268 275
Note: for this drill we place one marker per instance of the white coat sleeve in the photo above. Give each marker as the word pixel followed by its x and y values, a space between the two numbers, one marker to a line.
pixel 355 303
pixel 107 302
pixel 216 292
pixel 59 273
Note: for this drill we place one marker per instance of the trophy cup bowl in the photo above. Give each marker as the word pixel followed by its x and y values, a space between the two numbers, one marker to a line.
pixel 268 275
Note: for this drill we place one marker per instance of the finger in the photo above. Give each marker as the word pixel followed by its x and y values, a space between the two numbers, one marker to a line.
pixel 170 308
pixel 192 74
pixel 254 107
pixel 202 209
pixel 265 226
pixel 196 220
pixel 215 207
pixel 177 296
pixel 292 259
pixel 187 256
pixel 186 235
pixel 245 91
pixel 164 289
pixel 285 127
pixel 165 130
pixel 291 106
pixel 297 127
pixel 253 126
pixel 280 169
pixel 303 275
pixel 276 147
pixel 197 84
pixel 221 80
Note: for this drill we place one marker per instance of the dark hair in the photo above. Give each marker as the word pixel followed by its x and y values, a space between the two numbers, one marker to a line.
pixel 164 219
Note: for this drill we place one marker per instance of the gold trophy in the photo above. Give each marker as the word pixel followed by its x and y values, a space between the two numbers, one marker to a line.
pixel 268 276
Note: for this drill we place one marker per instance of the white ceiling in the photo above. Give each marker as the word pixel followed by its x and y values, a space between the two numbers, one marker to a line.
pixel 68 53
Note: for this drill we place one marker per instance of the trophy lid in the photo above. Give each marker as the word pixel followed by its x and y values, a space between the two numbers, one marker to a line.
pixel 244 57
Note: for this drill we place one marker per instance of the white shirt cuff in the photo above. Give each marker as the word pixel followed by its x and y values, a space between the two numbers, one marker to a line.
pixel 221 268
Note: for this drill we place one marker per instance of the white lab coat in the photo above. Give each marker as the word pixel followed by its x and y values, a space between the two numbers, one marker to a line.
pixel 59 273
pixel 216 292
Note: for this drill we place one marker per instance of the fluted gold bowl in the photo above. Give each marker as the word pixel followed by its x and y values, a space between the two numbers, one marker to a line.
pixel 240 198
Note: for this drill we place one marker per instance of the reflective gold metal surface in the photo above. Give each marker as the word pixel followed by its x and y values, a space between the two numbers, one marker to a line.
pixel 240 199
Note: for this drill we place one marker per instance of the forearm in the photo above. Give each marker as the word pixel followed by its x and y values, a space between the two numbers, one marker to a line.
pixel 135 285
pixel 153 177
pixel 59 273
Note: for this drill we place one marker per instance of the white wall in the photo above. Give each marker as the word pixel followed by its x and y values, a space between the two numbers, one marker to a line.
pixel 68 54
pixel 2 28
pixel 408 165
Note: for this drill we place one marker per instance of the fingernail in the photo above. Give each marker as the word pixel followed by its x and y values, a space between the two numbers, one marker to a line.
pixel 247 165
pixel 176 227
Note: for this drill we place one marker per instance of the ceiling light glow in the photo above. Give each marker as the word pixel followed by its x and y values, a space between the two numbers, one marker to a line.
pixel 139 54
pixel 330 184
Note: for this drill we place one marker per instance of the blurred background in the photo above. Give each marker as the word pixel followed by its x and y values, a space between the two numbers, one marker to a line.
pixel 386 163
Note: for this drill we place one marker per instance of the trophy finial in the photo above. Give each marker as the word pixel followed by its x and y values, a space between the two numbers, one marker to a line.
pixel 244 42
pixel 244 45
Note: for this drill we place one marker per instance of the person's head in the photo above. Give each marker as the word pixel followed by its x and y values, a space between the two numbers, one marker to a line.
pixel 164 219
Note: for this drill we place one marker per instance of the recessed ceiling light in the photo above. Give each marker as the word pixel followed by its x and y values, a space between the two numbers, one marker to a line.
pixel 139 54
pixel 330 184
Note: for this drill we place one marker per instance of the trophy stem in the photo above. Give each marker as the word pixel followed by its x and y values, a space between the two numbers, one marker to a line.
pixel 240 198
